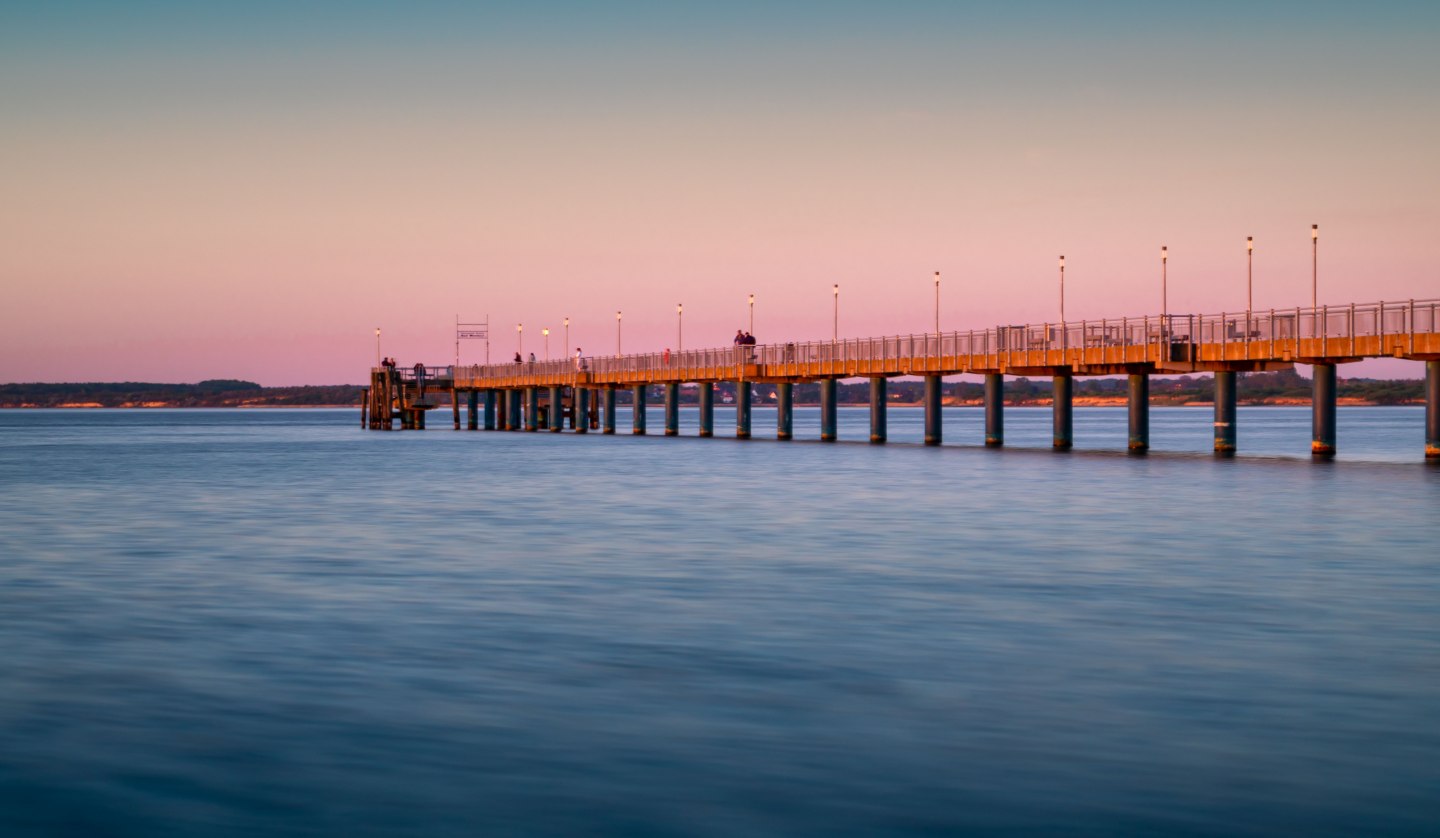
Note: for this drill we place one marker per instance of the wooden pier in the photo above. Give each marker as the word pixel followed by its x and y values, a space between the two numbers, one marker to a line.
pixel 1224 344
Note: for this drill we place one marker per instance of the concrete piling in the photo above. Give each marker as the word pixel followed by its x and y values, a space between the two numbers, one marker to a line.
pixel 1139 413
pixel 532 409
pixel 1432 411
pixel 637 413
pixel 1225 414
pixel 582 410
pixel 932 410
pixel 829 392
pixel 707 408
pixel 607 424
pixel 742 410
pixel 784 410
pixel 879 431
pixel 1063 409
pixel 1322 412
pixel 994 410
pixel 672 408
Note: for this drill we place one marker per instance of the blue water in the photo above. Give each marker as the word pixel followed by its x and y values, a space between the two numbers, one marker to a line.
pixel 272 622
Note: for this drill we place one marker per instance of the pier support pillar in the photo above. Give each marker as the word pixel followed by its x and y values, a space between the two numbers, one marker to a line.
pixel 637 413
pixel 932 410
pixel 784 410
pixel 707 408
pixel 489 410
pixel 878 424
pixel 672 408
pixel 1322 412
pixel 582 410
pixel 742 410
pixel 1432 411
pixel 555 413
pixel 1225 399
pixel 607 411
pixel 1139 413
pixel 472 410
pixel 829 391
pixel 515 398
pixel 364 403
pixel 994 410
pixel 1064 408
pixel 532 409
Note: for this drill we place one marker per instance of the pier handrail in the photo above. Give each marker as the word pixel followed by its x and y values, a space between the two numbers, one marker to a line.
pixel 1269 327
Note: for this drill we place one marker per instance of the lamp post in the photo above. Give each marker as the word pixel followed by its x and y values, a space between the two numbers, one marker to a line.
pixel 1249 275
pixel 617 333
pixel 1164 291
pixel 520 339
pixel 1314 265
pixel 546 333
pixel 377 346
pixel 937 304
pixel 835 333
pixel 567 335
pixel 679 327
pixel 751 330
pixel 1062 291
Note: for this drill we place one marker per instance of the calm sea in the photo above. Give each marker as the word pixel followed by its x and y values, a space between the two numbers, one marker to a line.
pixel 246 622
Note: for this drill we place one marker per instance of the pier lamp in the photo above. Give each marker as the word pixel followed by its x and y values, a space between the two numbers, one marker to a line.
pixel 835 334
pixel 752 314
pixel 1062 291
pixel 520 338
pixel 937 304
pixel 617 333
pixel 1164 289
pixel 546 333
pixel 567 335
pixel 679 327
pixel 1314 264
pixel 1249 278
pixel 377 346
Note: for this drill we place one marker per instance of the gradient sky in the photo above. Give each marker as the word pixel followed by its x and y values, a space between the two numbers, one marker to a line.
pixel 210 190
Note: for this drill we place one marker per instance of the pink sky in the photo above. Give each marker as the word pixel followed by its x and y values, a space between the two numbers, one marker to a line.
pixel 172 215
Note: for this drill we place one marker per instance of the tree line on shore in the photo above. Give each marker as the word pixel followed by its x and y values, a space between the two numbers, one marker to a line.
pixel 1253 388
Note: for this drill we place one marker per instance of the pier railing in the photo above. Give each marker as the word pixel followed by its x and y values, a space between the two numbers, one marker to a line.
pixel 1292 333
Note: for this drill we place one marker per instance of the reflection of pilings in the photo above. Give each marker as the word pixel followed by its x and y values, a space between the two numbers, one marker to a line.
pixel 878 424
pixel 672 408
pixel 784 410
pixel 1225 400
pixel 828 416
pixel 1322 412
pixel 489 410
pixel 555 415
pixel 932 410
pixel 582 410
pixel 742 410
pixel 1139 413
pixel 1064 408
pixel 707 408
pixel 994 409
pixel 608 403
pixel 637 415
pixel 1432 410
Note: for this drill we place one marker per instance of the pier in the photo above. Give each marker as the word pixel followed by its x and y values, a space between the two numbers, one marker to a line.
pixel 580 393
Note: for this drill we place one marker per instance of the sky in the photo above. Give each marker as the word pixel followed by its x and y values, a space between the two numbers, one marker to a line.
pixel 248 190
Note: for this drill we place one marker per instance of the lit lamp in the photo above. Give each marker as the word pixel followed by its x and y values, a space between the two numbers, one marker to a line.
pixel 617 333
pixel 679 327
pixel 567 334
pixel 1164 290
pixel 546 333
pixel 752 314
pixel 520 338
pixel 1062 291
pixel 1249 278
pixel 377 346
pixel 1314 264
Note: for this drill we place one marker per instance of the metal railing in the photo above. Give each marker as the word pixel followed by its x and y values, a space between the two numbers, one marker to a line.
pixel 1273 330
